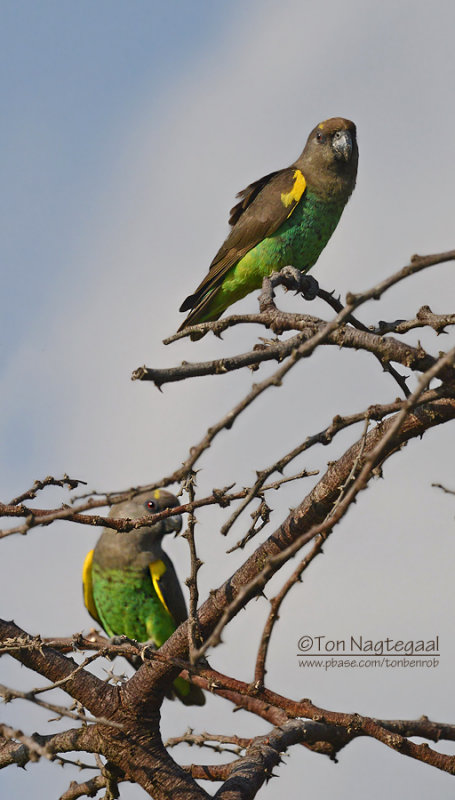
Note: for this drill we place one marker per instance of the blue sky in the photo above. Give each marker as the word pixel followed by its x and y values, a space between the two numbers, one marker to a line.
pixel 72 76
pixel 127 129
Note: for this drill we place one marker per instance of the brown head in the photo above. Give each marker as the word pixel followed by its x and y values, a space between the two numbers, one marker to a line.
pixel 117 549
pixel 329 159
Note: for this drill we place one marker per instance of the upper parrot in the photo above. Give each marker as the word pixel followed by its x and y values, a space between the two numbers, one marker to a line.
pixel 283 219
pixel 130 584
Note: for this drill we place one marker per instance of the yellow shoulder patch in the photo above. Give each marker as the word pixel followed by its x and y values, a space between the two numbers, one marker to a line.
pixel 87 585
pixel 157 569
pixel 298 188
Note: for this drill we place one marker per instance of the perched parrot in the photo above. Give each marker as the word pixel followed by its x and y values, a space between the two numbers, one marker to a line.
pixel 283 219
pixel 130 584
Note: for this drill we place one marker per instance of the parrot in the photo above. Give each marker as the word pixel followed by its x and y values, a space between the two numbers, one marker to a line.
pixel 130 586
pixel 283 219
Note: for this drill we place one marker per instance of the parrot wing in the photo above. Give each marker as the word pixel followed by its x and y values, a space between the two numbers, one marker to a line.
pixel 264 206
pixel 167 586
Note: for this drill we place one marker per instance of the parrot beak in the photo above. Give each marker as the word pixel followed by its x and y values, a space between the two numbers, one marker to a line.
pixel 342 144
pixel 173 523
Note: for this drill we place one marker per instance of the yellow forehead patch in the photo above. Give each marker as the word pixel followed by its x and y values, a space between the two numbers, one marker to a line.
pixel 321 125
pixel 156 494
pixel 298 188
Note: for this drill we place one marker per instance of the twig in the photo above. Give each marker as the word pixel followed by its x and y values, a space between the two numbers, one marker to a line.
pixel 276 602
pixel 194 636
pixel 424 318
pixel 14 694
pixel 385 349
pixel 417 264
pixel 372 460
pixel 86 788
pixel 444 488
pixel 386 365
pixel 31 751
pixel 60 683
pixel 38 485
pixel 202 740
pixel 275 319
pixel 17 748
pixel 392 733
pixel 324 437
pixel 42 517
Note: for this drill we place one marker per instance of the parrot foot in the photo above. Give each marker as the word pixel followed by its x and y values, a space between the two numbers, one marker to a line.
pixel 119 640
pixel 148 648
pixel 310 287
pixel 144 649
pixel 292 279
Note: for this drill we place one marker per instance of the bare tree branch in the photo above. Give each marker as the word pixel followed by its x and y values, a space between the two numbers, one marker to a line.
pixel 196 564
pixel 124 714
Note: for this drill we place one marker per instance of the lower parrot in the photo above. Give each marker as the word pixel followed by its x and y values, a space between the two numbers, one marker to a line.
pixel 283 219
pixel 130 585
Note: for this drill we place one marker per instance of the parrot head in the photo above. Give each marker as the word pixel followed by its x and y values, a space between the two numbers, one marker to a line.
pixel 329 160
pixel 149 503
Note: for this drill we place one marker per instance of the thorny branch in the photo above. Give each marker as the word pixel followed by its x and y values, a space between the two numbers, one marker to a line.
pixel 372 459
pixel 14 694
pixel 38 486
pixel 324 437
pixel 354 725
pixel 385 349
pixel 42 517
pixel 443 488
pixel 17 748
pixel 276 602
pixel 222 497
pixel 128 736
pixel 214 741
pixel 270 316
pixel 196 564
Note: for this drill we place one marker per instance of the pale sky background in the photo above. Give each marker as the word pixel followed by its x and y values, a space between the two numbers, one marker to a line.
pixel 127 129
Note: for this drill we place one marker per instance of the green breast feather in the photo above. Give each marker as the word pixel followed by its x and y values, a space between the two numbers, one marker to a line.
pixel 127 603
pixel 298 242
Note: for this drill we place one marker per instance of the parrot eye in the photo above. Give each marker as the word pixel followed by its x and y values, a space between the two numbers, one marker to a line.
pixel 150 505
pixel 320 136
